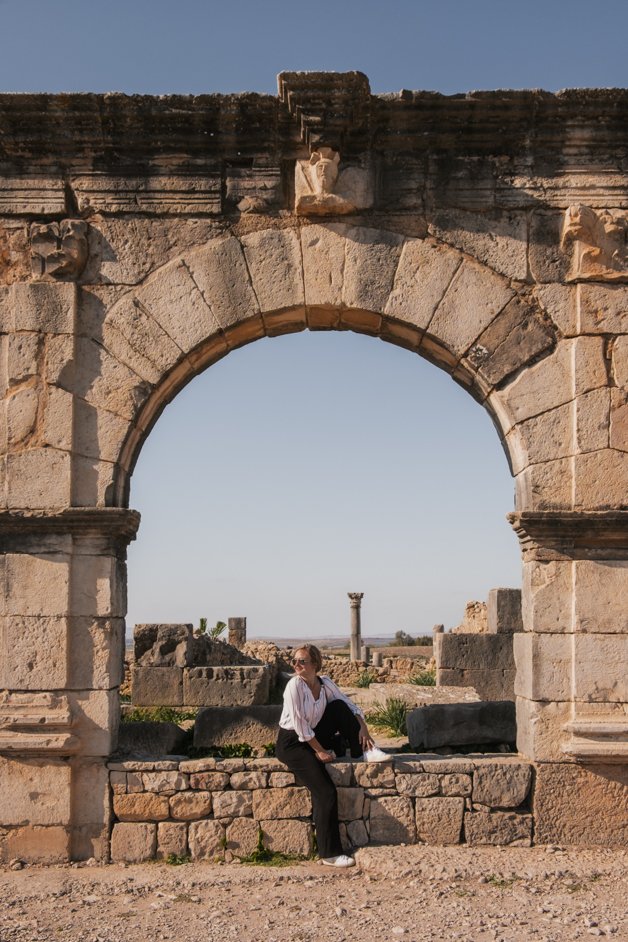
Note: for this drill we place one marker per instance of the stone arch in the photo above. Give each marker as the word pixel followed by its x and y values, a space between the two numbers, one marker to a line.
pixel 418 293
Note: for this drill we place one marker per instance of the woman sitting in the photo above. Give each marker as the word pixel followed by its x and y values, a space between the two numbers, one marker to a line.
pixel 317 718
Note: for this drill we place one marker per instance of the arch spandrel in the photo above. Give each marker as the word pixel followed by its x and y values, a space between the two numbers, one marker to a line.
pixel 418 293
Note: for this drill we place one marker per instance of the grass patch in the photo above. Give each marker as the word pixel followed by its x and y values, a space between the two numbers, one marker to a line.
pixel 236 750
pixel 160 714
pixel 391 716
pixel 424 679
pixel 177 860
pixel 501 883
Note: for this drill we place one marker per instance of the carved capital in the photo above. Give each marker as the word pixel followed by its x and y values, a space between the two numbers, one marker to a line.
pixel 355 599
pixel 598 241
pixel 59 250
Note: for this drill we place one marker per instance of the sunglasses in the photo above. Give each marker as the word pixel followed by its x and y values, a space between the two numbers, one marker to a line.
pixel 300 660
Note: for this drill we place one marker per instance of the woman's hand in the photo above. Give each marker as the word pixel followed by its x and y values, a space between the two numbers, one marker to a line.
pixel 325 755
pixel 366 740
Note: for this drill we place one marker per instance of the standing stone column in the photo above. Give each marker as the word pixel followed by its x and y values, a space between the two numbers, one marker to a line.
pixel 237 632
pixel 355 599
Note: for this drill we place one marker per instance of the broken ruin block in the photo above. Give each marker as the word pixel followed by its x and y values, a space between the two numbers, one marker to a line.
pixel 504 611
pixel 163 645
pixel 226 686
pixel 460 724
pixel 157 686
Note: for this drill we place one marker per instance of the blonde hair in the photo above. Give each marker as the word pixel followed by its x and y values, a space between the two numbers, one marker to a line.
pixel 313 653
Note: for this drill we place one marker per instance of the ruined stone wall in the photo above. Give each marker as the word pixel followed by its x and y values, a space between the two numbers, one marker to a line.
pixel 142 239
pixel 215 808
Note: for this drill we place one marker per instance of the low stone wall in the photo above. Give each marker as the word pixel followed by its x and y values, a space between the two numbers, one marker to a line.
pixel 483 661
pixel 215 808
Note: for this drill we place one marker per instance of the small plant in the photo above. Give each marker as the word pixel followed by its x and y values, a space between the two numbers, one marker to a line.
pixel 501 882
pixel 217 630
pixel 177 860
pixel 238 750
pixel 202 626
pixel 391 716
pixel 268 750
pixel 424 678
pixel 366 678
pixel 263 857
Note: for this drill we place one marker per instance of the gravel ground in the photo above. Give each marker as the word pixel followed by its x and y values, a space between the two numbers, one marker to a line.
pixel 410 894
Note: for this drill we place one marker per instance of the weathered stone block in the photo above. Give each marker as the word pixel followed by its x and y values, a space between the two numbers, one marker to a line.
pixel 226 686
pixel 34 652
pixel 150 739
pixel 172 839
pixel 274 261
pixel 280 779
pixel 242 836
pixel 420 784
pixel 371 259
pixel 474 297
pixel 133 843
pixel 97 587
pixel 165 783
pixel 544 666
pixel 375 775
pixel 455 784
pixel 157 686
pixel 117 781
pixel 392 821
pixel 498 827
pixel 44 307
pixel 96 648
pixel 543 438
pixel 439 820
pixel 503 611
pixel 91 809
pixel 221 273
pixel 600 668
pixel 288 837
pixel 96 715
pixel 575 804
pixel 357 833
pixel 190 806
pixel 340 773
pixel 350 803
pixel 592 416
pixel 600 480
pixel 233 804
pixel 210 781
pixel 206 840
pixel 35 791
pixel 31 578
pixel 323 263
pixel 540 732
pixel 248 780
pixel 36 844
pixel 602 308
pixel 423 275
pixel 501 784
pixel 163 645
pixel 600 596
pixel 474 652
pixel 281 803
pixel 547 595
pixel 442 724
pixel 545 486
pixel 489 684
pixel 141 807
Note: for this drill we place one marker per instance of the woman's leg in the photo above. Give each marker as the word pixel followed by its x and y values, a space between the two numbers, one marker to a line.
pixel 338 718
pixel 311 772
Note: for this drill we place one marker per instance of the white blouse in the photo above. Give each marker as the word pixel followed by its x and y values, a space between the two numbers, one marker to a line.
pixel 301 712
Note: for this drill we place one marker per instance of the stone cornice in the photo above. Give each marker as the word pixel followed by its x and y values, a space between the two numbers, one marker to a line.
pixel 572 534
pixel 112 523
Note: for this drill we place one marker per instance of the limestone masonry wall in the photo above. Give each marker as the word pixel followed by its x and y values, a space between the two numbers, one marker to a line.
pixel 215 808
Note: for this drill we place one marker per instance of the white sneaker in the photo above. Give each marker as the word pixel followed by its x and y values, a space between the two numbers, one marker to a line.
pixel 341 861
pixel 375 755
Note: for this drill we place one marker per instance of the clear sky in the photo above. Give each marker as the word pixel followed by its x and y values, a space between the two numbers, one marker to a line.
pixel 303 467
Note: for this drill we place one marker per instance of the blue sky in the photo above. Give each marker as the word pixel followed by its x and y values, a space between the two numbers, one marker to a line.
pixel 303 467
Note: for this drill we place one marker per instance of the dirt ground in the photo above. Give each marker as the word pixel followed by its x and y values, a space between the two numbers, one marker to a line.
pixel 412 894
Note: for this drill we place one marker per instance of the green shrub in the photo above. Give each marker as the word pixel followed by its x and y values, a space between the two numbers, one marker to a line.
pixel 237 750
pixel 176 860
pixel 391 716
pixel 268 750
pixel 424 678
pixel 366 678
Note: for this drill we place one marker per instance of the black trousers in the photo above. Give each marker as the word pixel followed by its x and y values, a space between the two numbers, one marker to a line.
pixel 337 722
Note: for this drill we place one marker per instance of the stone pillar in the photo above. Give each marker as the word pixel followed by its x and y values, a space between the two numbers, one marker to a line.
pixel 365 653
pixel 61 662
pixel 571 682
pixel 237 632
pixel 355 599
pixel 377 658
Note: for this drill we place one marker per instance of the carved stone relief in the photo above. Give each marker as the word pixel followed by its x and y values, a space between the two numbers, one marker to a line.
pixel 323 188
pixel 59 249
pixel 35 723
pixel 600 244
